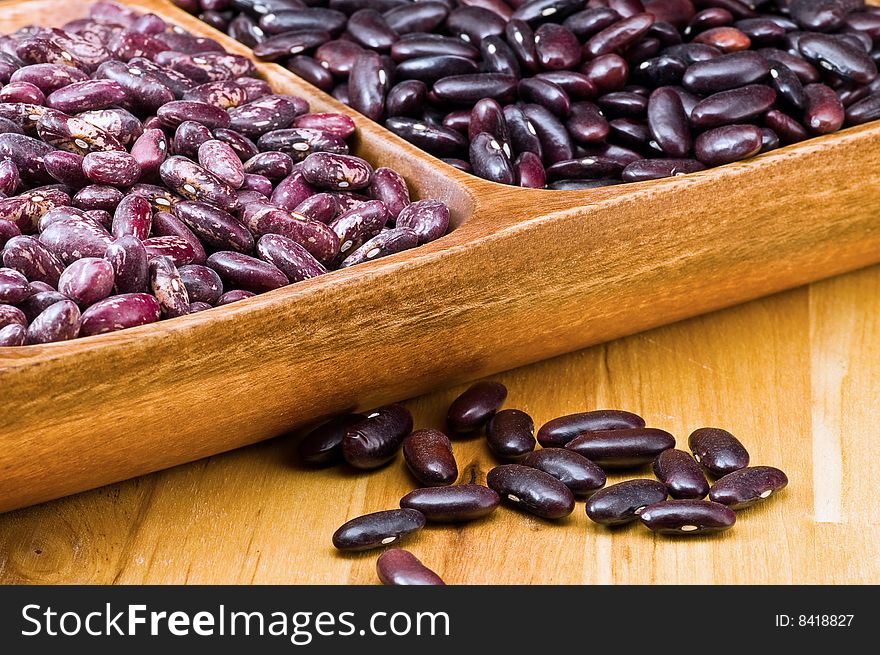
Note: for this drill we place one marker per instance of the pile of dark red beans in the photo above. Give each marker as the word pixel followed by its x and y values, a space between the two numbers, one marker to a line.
pixel 576 450
pixel 572 94
pixel 145 173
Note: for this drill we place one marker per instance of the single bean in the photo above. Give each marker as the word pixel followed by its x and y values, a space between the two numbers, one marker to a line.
pixel 197 184
pixel 358 225
pixel 13 336
pixel 128 258
pixel 654 169
pixel 234 296
pixel 473 408
pixel 10 315
pixel 727 144
pixel 112 168
pixel 58 322
pixel 289 257
pixel 668 122
pixel 273 164
pixel 747 486
pixel 168 288
pixel 245 272
pixel 452 504
pixel 13 286
pixel 727 71
pixel 73 238
pixel 428 455
pixel 375 441
pixel 622 503
pixel 824 113
pixel 682 476
pixel 39 302
pixel 31 258
pixel 166 225
pixel 323 445
pixel 387 242
pixel 177 249
pixel 397 567
pixel 202 283
pixel 368 83
pixel 579 474
pixel 559 431
pixel 510 434
pixel 436 139
pixel 87 280
pixel 468 89
pixel 718 451
pixel 733 106
pixel 687 517
pixel 267 113
pixel 217 228
pixel 622 448
pixel 377 529
pixel 120 312
pixel 535 491
pixel 335 172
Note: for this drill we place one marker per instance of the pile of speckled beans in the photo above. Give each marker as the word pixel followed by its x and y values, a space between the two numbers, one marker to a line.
pixel 573 94
pixel 146 173
pixel 576 450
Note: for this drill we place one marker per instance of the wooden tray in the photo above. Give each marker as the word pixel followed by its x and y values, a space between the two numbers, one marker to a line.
pixel 525 275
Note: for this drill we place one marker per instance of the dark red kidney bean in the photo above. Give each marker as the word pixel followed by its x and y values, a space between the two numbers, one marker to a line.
pixel 167 287
pixel 546 94
pixel 848 94
pixel 762 31
pixel 234 296
pixel 245 29
pixel 718 451
pixel 622 503
pixel 682 475
pixel 202 283
pixel 727 144
pixel 473 24
pixel 707 19
pixel 387 242
pixel 576 85
pixel 428 455
pixel 521 41
pixel 312 18
pixel 217 228
pixel 529 171
pixel 623 155
pixel 726 39
pixel 335 172
pixel 769 140
pixel 367 85
pixel 654 169
pixel 523 136
pixel 473 408
pixel 426 45
pixel 537 11
pixel 467 89
pixel 290 43
pixel 618 36
pixel 311 71
pixel 323 445
pixel 668 122
pixel 452 504
pixel 368 28
pixel 556 143
pixel 557 47
pixel 188 137
pixel 747 486
pixel 587 123
pixel 662 70
pixel 338 56
pixel 133 216
pixel 417 17
pixel 733 106
pixel 428 218
pixel 559 431
pixel 323 207
pixel 687 517
pixel 267 113
pixel 787 85
pixel 498 57
pixel 824 113
pixel 377 529
pixel 864 110
pixel 31 258
pixel 535 491
pixel 804 70
pixel 725 72
pixel 272 164
pixel 787 128
pixel 510 434
pixel 579 474
pixel 436 139
pixel 643 49
pixel 87 280
pixel 289 257
pixel 358 225
pixel 838 57
pixel 245 272
pixel 631 132
pixel 622 448
pixel 397 567
pixel 13 286
pixel 591 21
pixel 584 168
pixel 128 258
pixel 691 53
pixel 406 98
pixel 59 322
pixel 623 103
pixel 817 15
pixel 73 238
pixel 193 182
pixel 489 160
pixel 375 441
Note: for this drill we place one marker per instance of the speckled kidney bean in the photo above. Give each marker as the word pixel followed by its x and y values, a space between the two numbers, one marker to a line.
pixel 622 503
pixel 13 286
pixel 323 207
pixel 683 477
pixel 24 211
pixel 747 486
pixel 129 261
pixel 217 228
pixel 535 491
pixel 224 94
pixel 387 242
pixel 24 92
pixel 193 182
pixel 27 155
pixel 31 258
pixel 165 224
pixel 289 257
pixel 74 238
pixel 718 451
pixel 397 567
pixel 10 315
pixel 428 218
pixel 319 239
pixel 428 456
pixel 188 137
pixel 359 225
pixel 723 145
pixel 375 441
pixel 299 142
pixel 177 249
pixel 66 167
pixel 622 448
pixel 245 272
pixel 145 90
pixel 273 164
pixel 167 287
pixel 323 445
pixel 48 77
pixel 272 112
pixel 75 134
pixel 120 312
pixel 87 280
pixel 256 183
pixel 113 168
pixel 292 190
pixel 12 336
pixel 234 295
pixel 149 150
pixel 133 216
pixel 202 283
pixel 510 434
pixel 58 322
pixel 452 504
pixel 39 302
pixel 335 172
pixel 377 529
pixel 559 431
pixel 687 517
pixel 9 177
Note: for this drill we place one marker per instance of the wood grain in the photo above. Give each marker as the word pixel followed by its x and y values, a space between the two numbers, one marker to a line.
pixel 793 375
pixel 526 275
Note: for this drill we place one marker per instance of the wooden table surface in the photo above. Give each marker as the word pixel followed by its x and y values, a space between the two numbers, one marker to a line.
pixel 795 376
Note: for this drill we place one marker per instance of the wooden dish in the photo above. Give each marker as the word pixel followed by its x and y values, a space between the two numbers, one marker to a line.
pixel 525 275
